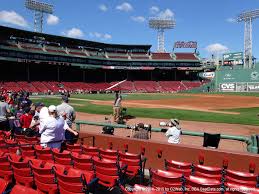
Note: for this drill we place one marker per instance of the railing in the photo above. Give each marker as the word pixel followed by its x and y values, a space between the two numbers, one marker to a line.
pixel 251 142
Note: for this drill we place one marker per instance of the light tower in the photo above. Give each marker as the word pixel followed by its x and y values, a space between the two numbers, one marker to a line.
pixel 161 24
pixel 39 9
pixel 248 17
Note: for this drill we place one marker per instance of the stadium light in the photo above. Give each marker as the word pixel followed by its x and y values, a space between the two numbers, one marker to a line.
pixel 161 24
pixel 39 9
pixel 248 17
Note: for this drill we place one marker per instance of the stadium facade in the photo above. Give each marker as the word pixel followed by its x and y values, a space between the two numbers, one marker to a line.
pixel 32 56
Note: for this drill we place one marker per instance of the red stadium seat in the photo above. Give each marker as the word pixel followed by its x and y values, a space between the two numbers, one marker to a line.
pixel 208 172
pixel 82 161
pixel 3 185
pixel 108 172
pixel 240 189
pixel 135 164
pixel 74 148
pixel 19 189
pixel 109 154
pixel 196 184
pixel 76 181
pixel 176 166
pixel 166 179
pixel 241 178
pixel 92 151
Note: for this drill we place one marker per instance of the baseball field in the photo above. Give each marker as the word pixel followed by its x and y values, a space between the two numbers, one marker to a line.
pixel 228 113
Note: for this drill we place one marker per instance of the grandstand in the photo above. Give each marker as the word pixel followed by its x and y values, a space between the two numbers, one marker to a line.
pixel 87 66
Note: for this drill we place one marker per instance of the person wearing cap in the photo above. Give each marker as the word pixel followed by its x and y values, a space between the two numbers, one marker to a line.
pixel 41 112
pixel 117 107
pixel 4 110
pixel 174 131
pixel 67 111
pixel 52 129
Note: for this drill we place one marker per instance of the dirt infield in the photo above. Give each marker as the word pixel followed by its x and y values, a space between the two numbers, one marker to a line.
pixel 198 102
pixel 230 129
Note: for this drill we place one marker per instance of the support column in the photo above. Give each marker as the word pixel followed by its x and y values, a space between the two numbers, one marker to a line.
pixel 58 74
pixel 105 78
pixel 83 75
pixel 28 71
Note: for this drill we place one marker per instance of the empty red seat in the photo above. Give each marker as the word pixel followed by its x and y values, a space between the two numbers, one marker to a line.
pixel 19 189
pixel 89 150
pixel 166 179
pixel 196 184
pixel 135 164
pixel 74 148
pixel 177 166
pixel 109 154
pixel 241 189
pixel 75 181
pixel 82 161
pixel 208 172
pixel 241 178
pixel 3 185
pixel 107 171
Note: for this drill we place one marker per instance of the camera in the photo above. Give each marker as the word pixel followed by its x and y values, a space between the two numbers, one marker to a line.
pixel 136 127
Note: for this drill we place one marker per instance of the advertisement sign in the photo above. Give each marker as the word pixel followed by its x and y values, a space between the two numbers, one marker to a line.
pixel 233 58
pixel 253 87
pixel 228 87
pixel 184 44
pixel 208 75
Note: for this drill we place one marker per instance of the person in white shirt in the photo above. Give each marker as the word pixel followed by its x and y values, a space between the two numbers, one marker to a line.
pixel 174 131
pixel 52 129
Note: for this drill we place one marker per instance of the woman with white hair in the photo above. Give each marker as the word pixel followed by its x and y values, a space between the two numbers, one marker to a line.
pixel 174 131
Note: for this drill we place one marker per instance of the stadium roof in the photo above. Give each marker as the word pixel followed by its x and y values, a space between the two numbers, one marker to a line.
pixel 6 32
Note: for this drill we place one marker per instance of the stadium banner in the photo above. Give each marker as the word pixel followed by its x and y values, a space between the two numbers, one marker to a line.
pixel 241 87
pixel 184 44
pixel 227 87
pixel 253 87
pixel 233 58
pixel 238 75
pixel 207 75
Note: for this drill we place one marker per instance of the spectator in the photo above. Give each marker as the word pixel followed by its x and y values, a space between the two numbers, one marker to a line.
pixel 19 112
pixel 68 112
pixel 117 107
pixel 26 118
pixel 174 131
pixel 52 129
pixel 141 132
pixel 4 110
pixel 38 107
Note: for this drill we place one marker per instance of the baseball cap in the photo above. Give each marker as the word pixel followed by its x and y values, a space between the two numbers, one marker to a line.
pixel 65 98
pixel 174 122
pixel 52 108
pixel 38 104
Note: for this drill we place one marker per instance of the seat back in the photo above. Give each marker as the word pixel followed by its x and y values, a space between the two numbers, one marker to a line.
pixel 22 190
pixel 241 178
pixel 177 166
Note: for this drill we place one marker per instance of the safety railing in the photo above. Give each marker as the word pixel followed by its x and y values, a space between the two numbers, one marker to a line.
pixel 251 142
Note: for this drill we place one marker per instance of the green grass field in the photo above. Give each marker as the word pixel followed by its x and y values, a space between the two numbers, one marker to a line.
pixel 246 116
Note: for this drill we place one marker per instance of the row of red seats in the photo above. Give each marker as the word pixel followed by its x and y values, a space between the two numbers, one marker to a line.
pixel 83 158
pixel 139 86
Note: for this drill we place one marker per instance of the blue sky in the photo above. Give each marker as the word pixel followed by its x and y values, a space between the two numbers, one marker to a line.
pixel 209 22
